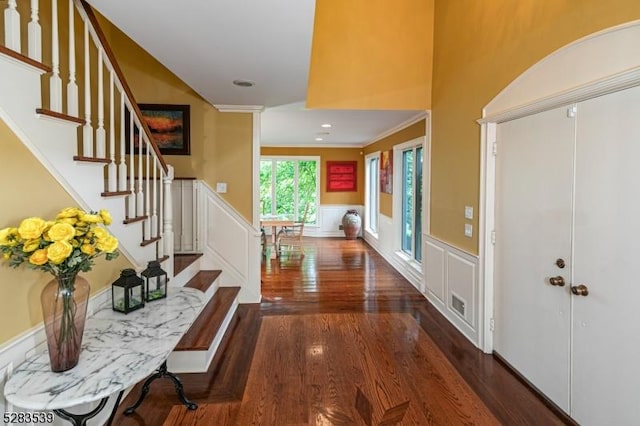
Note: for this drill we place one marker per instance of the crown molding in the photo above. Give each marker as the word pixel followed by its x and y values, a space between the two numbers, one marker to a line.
pixel 399 127
pixel 239 108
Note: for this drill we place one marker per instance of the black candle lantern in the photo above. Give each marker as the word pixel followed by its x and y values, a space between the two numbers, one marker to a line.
pixel 155 281
pixel 127 292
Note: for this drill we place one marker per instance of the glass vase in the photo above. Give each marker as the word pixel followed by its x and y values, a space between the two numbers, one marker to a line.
pixel 64 308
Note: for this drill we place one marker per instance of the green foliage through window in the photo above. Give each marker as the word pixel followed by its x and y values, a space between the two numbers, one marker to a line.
pixel 287 185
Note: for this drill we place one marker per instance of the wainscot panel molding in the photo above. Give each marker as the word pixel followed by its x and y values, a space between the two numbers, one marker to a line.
pixel 451 285
pixel 231 244
pixel 386 245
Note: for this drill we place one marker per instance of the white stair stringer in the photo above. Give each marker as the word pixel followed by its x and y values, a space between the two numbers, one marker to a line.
pixel 54 143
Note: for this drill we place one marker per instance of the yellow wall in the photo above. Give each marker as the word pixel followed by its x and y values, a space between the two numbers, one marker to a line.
pixel 20 288
pixel 479 48
pixel 329 154
pixel 221 143
pixel 371 54
pixel 414 131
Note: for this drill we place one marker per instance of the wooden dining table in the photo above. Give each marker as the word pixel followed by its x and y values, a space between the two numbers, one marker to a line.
pixel 275 222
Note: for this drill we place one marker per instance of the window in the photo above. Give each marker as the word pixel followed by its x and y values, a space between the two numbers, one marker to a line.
pixel 288 184
pixel 372 192
pixel 411 192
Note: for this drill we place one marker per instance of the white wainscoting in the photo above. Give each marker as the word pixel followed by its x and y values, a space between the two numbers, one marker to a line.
pixel 330 220
pixel 231 244
pixel 32 341
pixel 451 273
pixel 385 244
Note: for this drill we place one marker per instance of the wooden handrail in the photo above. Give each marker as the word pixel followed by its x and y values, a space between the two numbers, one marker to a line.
pixel 125 87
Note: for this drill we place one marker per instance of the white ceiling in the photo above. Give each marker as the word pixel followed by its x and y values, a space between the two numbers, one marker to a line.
pixel 210 43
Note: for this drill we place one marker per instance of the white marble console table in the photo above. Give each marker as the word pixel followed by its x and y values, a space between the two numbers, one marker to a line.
pixel 118 351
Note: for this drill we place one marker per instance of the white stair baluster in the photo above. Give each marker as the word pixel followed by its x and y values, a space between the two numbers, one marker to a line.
pixel 72 85
pixel 147 207
pixel 100 132
pixel 87 130
pixel 34 34
pixel 154 214
pixel 55 80
pixel 161 251
pixel 112 185
pixel 122 172
pixel 140 194
pixel 131 213
pixel 12 26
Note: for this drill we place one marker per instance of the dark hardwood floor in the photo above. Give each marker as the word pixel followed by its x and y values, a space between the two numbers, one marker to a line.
pixel 342 338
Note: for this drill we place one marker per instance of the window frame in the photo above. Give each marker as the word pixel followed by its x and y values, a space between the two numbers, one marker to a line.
pixel 297 158
pixel 372 210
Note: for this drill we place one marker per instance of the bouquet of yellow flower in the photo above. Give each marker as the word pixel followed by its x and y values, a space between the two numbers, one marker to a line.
pixel 69 243
pixel 63 247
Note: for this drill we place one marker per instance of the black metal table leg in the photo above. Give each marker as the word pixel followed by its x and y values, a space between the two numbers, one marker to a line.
pixel 115 408
pixel 162 373
pixel 81 419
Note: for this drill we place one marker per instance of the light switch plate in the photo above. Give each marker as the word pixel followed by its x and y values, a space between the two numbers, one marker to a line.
pixel 468 212
pixel 221 187
pixel 468 230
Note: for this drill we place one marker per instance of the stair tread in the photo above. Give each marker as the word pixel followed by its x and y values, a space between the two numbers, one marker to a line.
pixel 203 280
pixel 19 56
pixel 206 326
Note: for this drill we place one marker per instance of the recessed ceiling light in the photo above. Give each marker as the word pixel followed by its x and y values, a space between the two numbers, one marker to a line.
pixel 244 83
pixel 326 125
pixel 319 139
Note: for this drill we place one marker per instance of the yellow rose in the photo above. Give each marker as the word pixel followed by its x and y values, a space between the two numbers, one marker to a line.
pixel 39 257
pixel 108 244
pixel 106 216
pixel 8 236
pixel 69 220
pixel 70 212
pixel 59 251
pixel 32 228
pixel 62 232
pixel 30 245
pixel 91 218
pixel 100 233
pixel 88 249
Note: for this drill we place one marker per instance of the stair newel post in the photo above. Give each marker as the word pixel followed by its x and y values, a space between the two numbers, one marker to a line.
pixel 131 213
pixel 140 195
pixel 122 172
pixel 147 192
pixel 154 200
pixel 87 130
pixel 34 33
pixel 101 134
pixel 167 225
pixel 72 86
pixel 12 26
pixel 113 167
pixel 55 80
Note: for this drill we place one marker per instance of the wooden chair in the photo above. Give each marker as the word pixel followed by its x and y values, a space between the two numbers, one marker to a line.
pixel 292 236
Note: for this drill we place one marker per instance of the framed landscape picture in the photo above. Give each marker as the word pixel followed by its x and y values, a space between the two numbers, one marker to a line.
pixel 169 127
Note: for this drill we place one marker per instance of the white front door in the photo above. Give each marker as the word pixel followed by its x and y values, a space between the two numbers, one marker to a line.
pixel 534 185
pixel 606 325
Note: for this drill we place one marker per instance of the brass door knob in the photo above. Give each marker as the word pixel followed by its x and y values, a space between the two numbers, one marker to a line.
pixel 560 263
pixel 557 281
pixel 580 290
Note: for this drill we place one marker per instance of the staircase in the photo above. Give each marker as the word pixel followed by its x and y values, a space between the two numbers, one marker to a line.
pixel 93 140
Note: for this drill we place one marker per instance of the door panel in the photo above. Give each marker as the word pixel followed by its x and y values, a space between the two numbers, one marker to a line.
pixel 534 175
pixel 606 360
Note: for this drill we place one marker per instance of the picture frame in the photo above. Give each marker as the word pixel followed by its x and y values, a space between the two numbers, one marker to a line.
pixel 169 126
pixel 386 172
pixel 342 176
